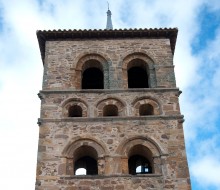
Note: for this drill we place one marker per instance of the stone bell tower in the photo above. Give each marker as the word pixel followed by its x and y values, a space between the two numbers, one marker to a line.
pixel 110 116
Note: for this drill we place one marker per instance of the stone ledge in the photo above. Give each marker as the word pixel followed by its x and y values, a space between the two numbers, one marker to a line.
pixel 47 177
pixel 112 119
pixel 110 90
pixel 109 176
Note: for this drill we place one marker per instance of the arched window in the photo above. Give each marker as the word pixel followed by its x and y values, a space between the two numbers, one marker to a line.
pixel 92 75
pixel 86 166
pixel 75 111
pixel 110 110
pixel 140 160
pixel 85 161
pixel 139 165
pixel 137 74
pixel 146 109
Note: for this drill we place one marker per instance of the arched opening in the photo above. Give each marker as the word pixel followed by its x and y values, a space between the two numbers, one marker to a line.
pixel 137 78
pixel 110 110
pixel 85 158
pixel 146 109
pixel 86 166
pixel 140 160
pixel 137 72
pixel 139 165
pixel 75 111
pixel 92 78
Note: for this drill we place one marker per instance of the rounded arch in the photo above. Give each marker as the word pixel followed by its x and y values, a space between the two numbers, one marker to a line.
pixel 142 53
pixel 126 145
pixel 100 54
pixel 144 149
pixel 91 60
pixel 140 160
pixel 144 63
pixel 76 143
pixel 68 104
pixel 147 101
pixel 101 104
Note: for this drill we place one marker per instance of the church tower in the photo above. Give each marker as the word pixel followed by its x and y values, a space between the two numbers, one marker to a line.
pixel 110 116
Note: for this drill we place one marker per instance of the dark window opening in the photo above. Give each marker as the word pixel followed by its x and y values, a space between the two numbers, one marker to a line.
pixel 139 165
pixel 146 109
pixel 75 111
pixel 92 78
pixel 110 110
pixel 86 163
pixel 137 78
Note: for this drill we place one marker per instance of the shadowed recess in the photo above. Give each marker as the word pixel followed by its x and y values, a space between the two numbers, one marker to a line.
pixel 137 78
pixel 92 79
pixel 146 109
pixel 75 111
pixel 110 110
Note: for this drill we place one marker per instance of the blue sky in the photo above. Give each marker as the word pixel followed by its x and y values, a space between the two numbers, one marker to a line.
pixel 196 60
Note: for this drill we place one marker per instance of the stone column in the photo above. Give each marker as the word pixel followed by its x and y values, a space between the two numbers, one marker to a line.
pixel 124 165
pixel 69 166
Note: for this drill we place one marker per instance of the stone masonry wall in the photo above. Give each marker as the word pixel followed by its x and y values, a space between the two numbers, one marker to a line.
pixel 112 138
pixel 68 56
pixel 56 136
pixel 54 103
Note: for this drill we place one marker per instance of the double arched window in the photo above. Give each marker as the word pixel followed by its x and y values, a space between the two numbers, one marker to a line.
pixel 87 156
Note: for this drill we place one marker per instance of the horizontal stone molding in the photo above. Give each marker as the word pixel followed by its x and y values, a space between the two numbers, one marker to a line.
pixel 112 91
pixel 164 66
pixel 109 176
pixel 115 118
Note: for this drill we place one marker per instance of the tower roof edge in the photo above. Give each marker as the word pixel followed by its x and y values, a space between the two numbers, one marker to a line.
pixel 61 35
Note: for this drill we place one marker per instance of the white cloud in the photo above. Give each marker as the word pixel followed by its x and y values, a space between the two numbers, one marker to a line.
pixel 206 171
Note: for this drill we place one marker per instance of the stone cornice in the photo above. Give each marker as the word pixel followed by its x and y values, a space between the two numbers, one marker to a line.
pixel 63 91
pixel 63 35
pixel 113 119
pixel 109 176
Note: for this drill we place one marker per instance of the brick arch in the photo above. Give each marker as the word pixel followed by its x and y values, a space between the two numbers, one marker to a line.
pixel 102 63
pixel 71 102
pixel 148 62
pixel 146 100
pixel 126 145
pixel 110 101
pixel 78 142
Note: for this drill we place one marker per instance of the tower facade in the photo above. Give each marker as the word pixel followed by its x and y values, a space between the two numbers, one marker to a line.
pixel 110 116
